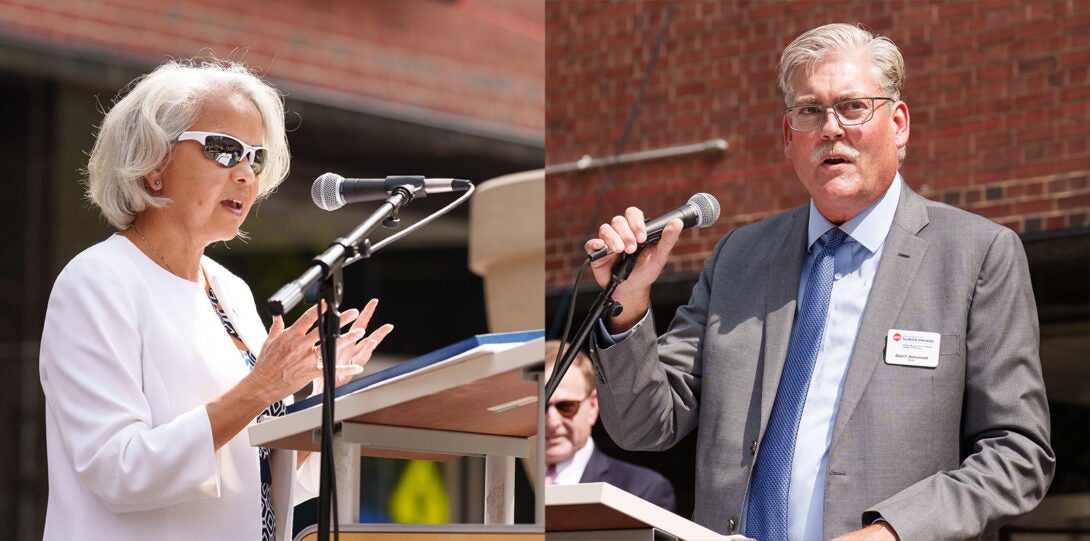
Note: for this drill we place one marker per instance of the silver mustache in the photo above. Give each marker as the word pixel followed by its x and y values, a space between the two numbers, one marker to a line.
pixel 838 148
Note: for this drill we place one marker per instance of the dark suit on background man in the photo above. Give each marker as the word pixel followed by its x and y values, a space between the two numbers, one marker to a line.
pixel 643 482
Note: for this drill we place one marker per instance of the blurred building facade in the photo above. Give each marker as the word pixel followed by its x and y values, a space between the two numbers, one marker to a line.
pixel 442 88
pixel 999 96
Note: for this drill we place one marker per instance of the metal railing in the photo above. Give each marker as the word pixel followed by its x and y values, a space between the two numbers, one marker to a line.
pixel 587 162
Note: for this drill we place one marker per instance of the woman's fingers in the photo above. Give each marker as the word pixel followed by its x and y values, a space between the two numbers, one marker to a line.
pixel 365 315
pixel 358 319
pixel 349 316
pixel 354 347
pixel 367 346
pixel 302 325
pixel 359 327
pixel 345 372
pixel 276 328
pixel 381 333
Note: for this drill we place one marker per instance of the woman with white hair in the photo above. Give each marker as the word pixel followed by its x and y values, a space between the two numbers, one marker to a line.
pixel 153 358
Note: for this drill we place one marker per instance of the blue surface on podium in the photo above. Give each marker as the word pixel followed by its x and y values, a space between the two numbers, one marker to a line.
pixel 422 361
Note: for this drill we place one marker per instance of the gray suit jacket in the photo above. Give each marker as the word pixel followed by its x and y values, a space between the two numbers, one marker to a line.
pixel 951 452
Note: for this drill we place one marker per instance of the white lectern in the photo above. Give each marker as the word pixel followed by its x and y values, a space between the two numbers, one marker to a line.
pixel 603 512
pixel 479 397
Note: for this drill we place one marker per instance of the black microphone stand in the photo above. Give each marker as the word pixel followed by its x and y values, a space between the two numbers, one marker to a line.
pixel 603 304
pixel 326 271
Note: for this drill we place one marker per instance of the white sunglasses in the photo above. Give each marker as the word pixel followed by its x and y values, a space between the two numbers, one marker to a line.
pixel 226 150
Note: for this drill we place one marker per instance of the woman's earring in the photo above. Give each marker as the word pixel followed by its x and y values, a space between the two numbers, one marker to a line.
pixel 157 182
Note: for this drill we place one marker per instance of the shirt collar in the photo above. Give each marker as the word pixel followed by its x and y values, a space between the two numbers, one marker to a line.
pixel 869 228
pixel 578 463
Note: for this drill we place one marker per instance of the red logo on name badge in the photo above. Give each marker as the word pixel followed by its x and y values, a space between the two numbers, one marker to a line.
pixel 896 337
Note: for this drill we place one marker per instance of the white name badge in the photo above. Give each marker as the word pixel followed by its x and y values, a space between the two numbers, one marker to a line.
pixel 912 348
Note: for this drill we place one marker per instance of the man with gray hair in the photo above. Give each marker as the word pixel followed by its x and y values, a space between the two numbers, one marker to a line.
pixel 864 366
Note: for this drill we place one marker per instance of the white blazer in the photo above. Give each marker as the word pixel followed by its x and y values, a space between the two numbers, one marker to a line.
pixel 130 355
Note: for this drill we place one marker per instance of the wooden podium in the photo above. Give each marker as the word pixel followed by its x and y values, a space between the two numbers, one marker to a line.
pixel 601 511
pixel 480 401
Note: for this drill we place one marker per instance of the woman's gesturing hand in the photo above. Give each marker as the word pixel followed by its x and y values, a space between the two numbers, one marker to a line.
pixel 290 358
pixel 354 347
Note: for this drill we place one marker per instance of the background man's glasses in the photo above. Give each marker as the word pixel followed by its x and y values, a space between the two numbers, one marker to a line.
pixel 226 150
pixel 851 112
pixel 566 408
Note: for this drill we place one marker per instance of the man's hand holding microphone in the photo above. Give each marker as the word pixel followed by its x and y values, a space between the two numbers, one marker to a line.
pixel 654 240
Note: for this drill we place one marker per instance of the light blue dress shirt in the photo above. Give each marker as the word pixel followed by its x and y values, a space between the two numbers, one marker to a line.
pixel 855 267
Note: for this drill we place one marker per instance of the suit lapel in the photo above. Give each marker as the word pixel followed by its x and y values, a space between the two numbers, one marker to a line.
pixel 596 469
pixel 901 258
pixel 784 273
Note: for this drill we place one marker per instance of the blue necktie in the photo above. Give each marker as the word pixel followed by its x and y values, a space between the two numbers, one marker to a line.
pixel 766 515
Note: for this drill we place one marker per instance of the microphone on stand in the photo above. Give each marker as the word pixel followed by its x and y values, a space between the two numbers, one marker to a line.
pixel 332 191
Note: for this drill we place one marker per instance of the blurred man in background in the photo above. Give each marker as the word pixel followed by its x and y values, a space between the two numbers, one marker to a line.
pixel 570 454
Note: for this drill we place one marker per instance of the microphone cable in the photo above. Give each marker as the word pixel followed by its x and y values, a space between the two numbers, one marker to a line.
pixel 425 221
pixel 568 298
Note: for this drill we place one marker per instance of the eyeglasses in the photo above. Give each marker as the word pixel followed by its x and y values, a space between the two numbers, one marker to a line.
pixel 226 150
pixel 566 408
pixel 851 112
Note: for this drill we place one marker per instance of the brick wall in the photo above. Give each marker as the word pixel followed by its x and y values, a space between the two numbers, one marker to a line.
pixel 998 92
pixel 472 63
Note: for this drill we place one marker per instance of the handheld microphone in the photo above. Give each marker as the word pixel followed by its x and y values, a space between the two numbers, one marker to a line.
pixel 701 210
pixel 332 191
